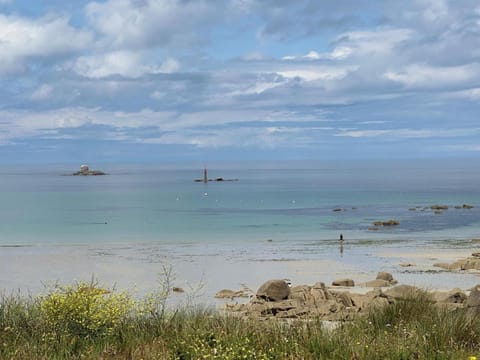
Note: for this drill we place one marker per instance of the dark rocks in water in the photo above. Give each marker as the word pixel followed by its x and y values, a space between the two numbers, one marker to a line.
pixel 337 209
pixel 274 290
pixel 220 179
pixel 439 207
pixel 85 171
pixel 89 173
pixel 391 222
pixel 467 206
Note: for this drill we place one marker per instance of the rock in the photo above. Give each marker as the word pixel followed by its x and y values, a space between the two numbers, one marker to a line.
pixel 402 291
pixel 391 222
pixel 472 263
pixel 377 303
pixel 377 283
pixel 343 282
pixel 337 209
pixel 225 294
pixel 385 276
pixel 455 296
pixel 476 254
pixel 177 289
pixel 344 298
pixel 230 294
pixel 274 290
pixel 473 300
pixel 301 293
pixel 406 264
pixel 439 207
pixel 467 206
pixel 443 265
pixel 85 171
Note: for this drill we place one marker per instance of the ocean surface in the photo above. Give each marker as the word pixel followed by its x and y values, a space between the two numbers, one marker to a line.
pixel 276 221
pixel 270 201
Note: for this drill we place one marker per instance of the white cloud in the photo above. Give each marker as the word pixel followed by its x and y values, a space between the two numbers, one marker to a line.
pixel 125 63
pixel 409 133
pixel 417 75
pixel 22 38
pixel 371 43
pixel 146 23
pixel 317 73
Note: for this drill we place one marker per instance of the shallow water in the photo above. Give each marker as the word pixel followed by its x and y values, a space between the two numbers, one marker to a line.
pixel 277 220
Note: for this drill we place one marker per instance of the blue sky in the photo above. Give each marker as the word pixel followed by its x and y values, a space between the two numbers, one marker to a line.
pixel 180 80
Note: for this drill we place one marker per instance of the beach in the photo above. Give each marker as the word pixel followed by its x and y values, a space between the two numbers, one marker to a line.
pixel 204 269
pixel 278 221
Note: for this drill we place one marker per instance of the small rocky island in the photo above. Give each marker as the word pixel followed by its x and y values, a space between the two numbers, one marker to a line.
pixel 85 171
pixel 205 178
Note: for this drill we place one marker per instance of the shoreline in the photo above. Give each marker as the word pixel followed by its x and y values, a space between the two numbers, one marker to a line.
pixel 206 268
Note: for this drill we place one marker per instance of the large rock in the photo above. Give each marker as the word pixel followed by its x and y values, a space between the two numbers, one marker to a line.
pixel 382 275
pixel 376 283
pixel 454 296
pixel 343 282
pixel 473 300
pixel 402 292
pixel 230 294
pixel 439 207
pixel 274 290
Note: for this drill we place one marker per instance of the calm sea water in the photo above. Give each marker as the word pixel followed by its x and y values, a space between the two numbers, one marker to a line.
pixel 279 201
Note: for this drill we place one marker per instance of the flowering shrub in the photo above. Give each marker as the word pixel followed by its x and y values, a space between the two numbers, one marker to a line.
pixel 85 309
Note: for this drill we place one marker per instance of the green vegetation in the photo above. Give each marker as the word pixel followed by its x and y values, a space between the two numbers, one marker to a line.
pixel 87 321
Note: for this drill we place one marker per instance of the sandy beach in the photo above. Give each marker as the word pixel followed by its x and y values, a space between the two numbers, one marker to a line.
pixel 203 269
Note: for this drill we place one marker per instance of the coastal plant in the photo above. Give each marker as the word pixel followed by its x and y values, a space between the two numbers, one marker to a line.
pixel 85 310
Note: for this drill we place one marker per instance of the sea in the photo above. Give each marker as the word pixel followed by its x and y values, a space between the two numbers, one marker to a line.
pixel 262 211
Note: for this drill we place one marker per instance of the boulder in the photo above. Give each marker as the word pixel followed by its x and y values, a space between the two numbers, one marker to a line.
pixel 274 290
pixel 376 283
pixel 445 266
pixel 455 296
pixel 382 275
pixel 344 298
pixel 301 292
pixel 467 206
pixel 473 300
pixel 391 222
pixel 439 207
pixel 343 282
pixel 225 294
pixel 472 263
pixel 402 291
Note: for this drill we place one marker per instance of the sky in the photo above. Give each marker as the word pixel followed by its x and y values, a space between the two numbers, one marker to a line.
pixel 204 80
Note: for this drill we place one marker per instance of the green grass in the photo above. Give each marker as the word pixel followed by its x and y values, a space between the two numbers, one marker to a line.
pixel 85 321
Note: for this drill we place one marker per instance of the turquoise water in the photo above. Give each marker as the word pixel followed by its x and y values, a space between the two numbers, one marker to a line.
pixel 279 201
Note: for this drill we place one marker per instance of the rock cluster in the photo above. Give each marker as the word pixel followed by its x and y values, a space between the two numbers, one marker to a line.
pixel 306 301
pixel 470 263
pixel 391 222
